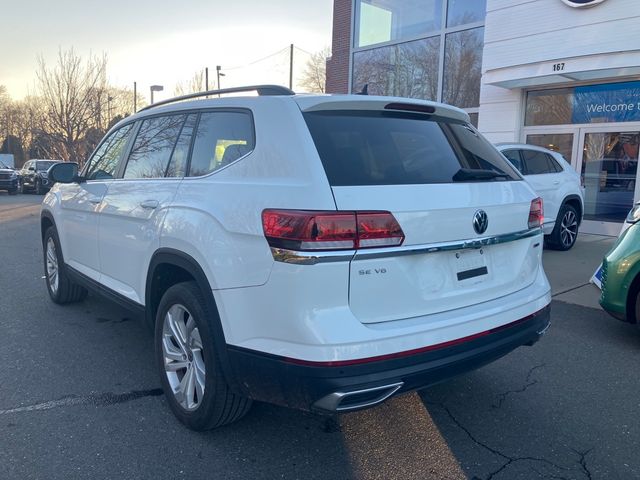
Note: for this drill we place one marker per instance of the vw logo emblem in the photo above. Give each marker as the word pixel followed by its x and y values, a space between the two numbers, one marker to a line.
pixel 480 221
pixel 582 3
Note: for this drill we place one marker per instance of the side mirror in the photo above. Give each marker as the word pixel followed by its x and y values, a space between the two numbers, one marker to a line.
pixel 32 169
pixel 66 172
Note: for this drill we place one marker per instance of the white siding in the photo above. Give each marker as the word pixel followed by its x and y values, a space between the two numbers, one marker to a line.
pixel 500 112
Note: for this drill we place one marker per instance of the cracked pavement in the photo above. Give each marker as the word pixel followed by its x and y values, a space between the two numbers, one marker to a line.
pixel 79 398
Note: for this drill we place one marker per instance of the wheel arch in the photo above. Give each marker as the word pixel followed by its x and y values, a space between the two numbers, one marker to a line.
pixel 632 293
pixel 46 221
pixel 181 267
pixel 576 202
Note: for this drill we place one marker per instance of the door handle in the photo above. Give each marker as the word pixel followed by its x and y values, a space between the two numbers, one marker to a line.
pixel 95 200
pixel 150 204
pixel 556 182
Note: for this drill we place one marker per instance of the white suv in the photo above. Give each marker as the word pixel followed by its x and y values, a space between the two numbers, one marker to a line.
pixel 555 180
pixel 318 252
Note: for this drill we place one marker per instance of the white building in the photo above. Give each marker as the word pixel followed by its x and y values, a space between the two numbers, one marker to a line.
pixel 564 74
pixel 568 79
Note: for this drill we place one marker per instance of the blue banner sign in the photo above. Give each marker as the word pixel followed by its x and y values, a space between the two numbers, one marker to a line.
pixel 614 102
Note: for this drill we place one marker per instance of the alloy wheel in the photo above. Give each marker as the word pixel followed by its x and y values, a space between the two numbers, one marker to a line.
pixel 569 228
pixel 52 266
pixel 183 357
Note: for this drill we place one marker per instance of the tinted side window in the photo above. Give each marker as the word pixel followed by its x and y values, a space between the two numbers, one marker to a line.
pixel 178 163
pixel 554 164
pixel 152 149
pixel 515 159
pixel 104 162
pixel 537 162
pixel 221 138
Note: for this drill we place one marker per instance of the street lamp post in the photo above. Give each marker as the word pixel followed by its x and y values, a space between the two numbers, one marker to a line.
pixel 155 88
pixel 219 74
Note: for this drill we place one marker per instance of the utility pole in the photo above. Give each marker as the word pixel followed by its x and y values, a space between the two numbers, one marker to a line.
pixel 206 79
pixel 135 97
pixel 291 68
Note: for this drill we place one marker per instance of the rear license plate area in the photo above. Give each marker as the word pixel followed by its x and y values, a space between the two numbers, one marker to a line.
pixel 471 264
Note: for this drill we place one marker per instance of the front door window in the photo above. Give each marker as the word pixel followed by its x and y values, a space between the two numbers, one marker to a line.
pixel 609 167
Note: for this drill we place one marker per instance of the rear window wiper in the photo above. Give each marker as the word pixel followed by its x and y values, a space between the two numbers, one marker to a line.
pixel 471 174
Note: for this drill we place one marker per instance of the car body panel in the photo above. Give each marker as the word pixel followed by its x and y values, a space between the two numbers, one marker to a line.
pixel 554 188
pixel 621 266
pixel 429 283
pixel 129 228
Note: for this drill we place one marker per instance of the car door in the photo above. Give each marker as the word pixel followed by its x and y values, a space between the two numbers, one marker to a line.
pixel 541 173
pixel 135 204
pixel 81 202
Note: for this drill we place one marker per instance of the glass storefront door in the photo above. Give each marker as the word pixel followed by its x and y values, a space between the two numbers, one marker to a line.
pixel 608 166
pixel 558 142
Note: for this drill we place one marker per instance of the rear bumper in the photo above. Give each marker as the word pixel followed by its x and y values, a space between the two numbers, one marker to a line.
pixel 327 386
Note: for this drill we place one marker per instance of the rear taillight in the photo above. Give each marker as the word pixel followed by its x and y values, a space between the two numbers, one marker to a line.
pixel 311 230
pixel 536 213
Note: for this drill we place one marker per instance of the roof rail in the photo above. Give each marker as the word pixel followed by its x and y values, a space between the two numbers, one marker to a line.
pixel 261 89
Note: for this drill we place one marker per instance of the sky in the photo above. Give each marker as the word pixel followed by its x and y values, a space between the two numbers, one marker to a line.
pixel 164 42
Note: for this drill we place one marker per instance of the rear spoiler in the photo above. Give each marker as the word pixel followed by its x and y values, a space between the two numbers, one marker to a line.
pixel 359 102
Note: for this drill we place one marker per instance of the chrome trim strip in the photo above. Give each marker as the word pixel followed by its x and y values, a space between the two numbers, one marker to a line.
pixel 473 243
pixel 332 401
pixel 313 258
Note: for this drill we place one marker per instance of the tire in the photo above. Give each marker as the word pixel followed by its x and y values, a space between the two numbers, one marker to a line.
pixel 565 232
pixel 61 289
pixel 39 190
pixel 14 191
pixel 185 348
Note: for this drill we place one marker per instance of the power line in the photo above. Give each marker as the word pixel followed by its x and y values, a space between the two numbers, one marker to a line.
pixel 257 61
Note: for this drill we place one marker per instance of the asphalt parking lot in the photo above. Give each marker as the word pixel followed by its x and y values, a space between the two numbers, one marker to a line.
pixel 80 398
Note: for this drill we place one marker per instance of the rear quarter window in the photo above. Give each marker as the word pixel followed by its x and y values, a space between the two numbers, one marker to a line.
pixel 221 138
pixel 391 148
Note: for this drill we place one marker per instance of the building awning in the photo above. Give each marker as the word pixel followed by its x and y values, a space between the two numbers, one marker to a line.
pixel 579 69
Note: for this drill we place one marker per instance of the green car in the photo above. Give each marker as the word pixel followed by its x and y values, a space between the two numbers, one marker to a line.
pixel 620 274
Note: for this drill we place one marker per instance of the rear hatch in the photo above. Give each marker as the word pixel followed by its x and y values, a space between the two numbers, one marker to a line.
pixel 437 175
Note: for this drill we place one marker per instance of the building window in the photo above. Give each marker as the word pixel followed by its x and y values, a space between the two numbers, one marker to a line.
pixel 380 21
pixel 460 12
pixel 426 49
pixel 463 68
pixel 549 107
pixel 605 103
pixel 404 70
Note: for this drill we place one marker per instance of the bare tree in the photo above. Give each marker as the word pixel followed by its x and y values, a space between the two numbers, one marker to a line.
pixel 314 78
pixel 194 85
pixel 73 93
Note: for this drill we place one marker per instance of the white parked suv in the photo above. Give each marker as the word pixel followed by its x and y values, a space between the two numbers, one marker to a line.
pixel 557 183
pixel 318 252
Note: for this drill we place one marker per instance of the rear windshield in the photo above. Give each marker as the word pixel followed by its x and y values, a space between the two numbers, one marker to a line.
pixel 390 148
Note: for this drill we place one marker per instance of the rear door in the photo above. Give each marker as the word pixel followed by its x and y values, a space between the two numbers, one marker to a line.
pixel 135 204
pixel 438 177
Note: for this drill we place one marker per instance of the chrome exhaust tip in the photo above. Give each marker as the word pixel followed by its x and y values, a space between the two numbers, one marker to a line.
pixel 356 399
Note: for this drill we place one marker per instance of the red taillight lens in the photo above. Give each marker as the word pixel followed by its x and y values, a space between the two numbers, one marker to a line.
pixel 536 213
pixel 378 229
pixel 309 230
